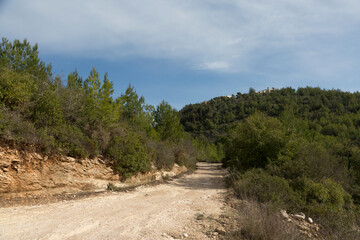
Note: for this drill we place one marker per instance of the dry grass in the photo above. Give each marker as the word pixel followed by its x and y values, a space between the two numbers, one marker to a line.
pixel 257 221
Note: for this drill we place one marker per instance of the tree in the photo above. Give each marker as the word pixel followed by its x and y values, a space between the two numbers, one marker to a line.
pixel 108 112
pixel 91 114
pixel 254 142
pixel 167 122
pixel 133 105
pixel 21 57
pixel 74 81
pixel 16 89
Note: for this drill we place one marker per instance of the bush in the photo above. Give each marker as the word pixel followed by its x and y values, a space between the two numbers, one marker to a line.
pixel 185 154
pixel 74 143
pixel 162 155
pixel 326 201
pixel 258 185
pixel 259 221
pixel 327 193
pixel 254 143
pixel 13 126
pixel 329 204
pixel 128 151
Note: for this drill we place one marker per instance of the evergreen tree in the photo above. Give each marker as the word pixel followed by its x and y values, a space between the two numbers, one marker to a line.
pixel 167 122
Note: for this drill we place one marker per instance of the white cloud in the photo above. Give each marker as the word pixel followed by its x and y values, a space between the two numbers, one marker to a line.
pixel 216 35
pixel 222 66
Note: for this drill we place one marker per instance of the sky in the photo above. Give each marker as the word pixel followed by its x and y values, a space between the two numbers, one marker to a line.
pixel 189 51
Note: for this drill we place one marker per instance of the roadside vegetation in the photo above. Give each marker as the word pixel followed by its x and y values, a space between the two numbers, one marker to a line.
pixel 289 149
pixel 82 118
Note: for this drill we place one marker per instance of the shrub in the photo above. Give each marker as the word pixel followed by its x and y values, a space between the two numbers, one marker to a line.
pixel 74 143
pixel 128 151
pixel 185 154
pixel 258 185
pixel 13 126
pixel 254 142
pixel 162 155
pixel 328 193
pixel 259 221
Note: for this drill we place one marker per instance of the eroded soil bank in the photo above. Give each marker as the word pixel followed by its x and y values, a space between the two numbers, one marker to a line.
pixel 29 177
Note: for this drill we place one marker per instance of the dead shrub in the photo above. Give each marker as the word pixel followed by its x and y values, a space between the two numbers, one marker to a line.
pixel 259 222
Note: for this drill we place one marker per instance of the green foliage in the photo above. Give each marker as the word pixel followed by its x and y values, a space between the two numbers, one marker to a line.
pixel 22 58
pixel 209 152
pixel 16 89
pixel 320 107
pixel 258 185
pixel 14 126
pixel 81 118
pixel 326 194
pixel 167 122
pixel 133 105
pixel 128 150
pixel 255 142
pixel 47 110
pixel 289 165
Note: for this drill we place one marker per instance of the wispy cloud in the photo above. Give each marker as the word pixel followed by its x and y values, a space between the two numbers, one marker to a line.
pixel 229 35
pixel 222 66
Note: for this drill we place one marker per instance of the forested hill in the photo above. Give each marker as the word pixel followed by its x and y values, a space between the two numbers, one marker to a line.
pixel 293 149
pixel 331 112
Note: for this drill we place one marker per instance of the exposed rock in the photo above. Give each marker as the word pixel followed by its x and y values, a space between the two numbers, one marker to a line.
pixel 68 159
pixel 300 216
pixel 306 225
pixel 34 174
pixel 284 214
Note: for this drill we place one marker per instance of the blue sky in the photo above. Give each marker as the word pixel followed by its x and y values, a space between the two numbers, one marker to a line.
pixel 187 51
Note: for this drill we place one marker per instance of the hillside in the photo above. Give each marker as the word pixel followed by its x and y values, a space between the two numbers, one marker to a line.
pixel 331 112
pixel 292 149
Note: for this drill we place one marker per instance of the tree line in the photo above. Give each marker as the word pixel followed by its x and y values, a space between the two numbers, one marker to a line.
pixel 82 118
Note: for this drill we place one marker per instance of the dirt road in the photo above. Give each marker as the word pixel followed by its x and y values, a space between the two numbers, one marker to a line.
pixel 183 208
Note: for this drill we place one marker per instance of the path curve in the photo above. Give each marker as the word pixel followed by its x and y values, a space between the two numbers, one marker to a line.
pixel 165 211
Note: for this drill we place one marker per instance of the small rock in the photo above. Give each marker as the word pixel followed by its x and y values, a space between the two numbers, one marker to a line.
pixel 310 220
pixel 215 233
pixel 69 159
pixel 300 216
pixel 185 235
pixel 305 228
pixel 284 214
pixel 220 230
pixel 200 217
